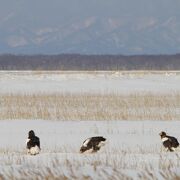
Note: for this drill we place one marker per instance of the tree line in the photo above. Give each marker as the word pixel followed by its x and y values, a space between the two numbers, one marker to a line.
pixel 77 62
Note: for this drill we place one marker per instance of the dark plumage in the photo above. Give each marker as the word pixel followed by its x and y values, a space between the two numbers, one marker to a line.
pixel 169 142
pixel 33 143
pixel 93 143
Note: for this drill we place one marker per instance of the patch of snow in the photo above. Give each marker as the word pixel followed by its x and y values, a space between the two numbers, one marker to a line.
pixel 131 146
pixel 77 82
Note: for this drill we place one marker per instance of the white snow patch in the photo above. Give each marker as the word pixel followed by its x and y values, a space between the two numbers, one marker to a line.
pixel 77 82
pixel 132 146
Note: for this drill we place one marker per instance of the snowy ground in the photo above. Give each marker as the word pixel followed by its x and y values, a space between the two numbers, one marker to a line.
pixel 133 148
pixel 73 82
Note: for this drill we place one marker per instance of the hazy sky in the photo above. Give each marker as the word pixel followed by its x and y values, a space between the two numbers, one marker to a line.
pixel 45 11
pixel 17 16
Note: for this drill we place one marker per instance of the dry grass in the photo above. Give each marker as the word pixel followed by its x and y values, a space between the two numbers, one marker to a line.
pixel 88 167
pixel 90 106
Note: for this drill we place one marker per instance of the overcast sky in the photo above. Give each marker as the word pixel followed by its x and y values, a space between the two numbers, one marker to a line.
pixel 44 11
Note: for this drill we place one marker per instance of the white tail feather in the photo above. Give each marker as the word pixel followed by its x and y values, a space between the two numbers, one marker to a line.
pixel 34 150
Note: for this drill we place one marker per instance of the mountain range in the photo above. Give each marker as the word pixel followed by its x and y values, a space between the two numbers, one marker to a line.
pixel 149 28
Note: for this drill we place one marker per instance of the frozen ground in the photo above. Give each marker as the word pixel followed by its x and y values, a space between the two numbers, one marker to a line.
pixel 121 82
pixel 133 149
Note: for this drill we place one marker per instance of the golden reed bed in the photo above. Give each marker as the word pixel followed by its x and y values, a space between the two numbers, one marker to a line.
pixel 86 106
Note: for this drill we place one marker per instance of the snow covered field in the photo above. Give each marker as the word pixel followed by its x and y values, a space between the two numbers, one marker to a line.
pixel 133 149
pixel 78 82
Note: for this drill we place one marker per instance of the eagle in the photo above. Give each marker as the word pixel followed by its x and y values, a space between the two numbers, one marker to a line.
pixel 93 143
pixel 169 142
pixel 33 143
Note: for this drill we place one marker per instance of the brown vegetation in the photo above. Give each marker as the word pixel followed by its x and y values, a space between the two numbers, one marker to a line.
pixel 88 106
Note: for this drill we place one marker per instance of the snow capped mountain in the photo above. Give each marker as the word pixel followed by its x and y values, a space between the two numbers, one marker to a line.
pixel 73 30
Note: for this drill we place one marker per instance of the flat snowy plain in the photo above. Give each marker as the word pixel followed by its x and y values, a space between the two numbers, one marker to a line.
pixel 133 149
pixel 95 82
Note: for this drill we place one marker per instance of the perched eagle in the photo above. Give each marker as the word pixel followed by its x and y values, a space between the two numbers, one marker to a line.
pixel 93 143
pixel 33 143
pixel 169 142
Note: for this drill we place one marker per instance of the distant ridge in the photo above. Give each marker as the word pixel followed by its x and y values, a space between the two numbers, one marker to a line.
pixel 78 62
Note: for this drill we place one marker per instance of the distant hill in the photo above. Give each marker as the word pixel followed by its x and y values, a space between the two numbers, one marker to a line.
pixel 89 62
